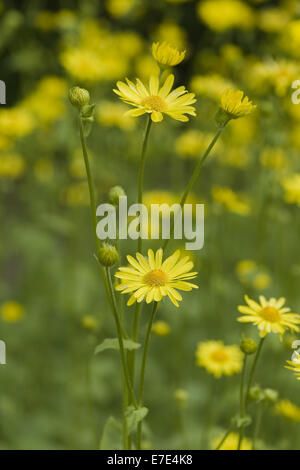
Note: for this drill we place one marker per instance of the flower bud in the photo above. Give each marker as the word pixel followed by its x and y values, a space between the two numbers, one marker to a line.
pixel 79 97
pixel 115 193
pixel 89 322
pixel 255 394
pixel 181 396
pixel 108 255
pixel 270 395
pixel 248 346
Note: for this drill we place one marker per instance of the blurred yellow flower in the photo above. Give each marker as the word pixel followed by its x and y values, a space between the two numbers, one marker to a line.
pixel 172 33
pixel 273 157
pixel 89 322
pixel 12 311
pixel 269 316
pixel 77 194
pixel 161 328
pixel 157 100
pixel 212 85
pixel 145 66
pixel 245 267
pixel 166 54
pixel 192 143
pixel 272 20
pixel 236 104
pixel 291 185
pixel 294 365
pixel 231 442
pixel 288 410
pixel 261 281
pixel 151 279
pixel 114 114
pixel 290 37
pixel 221 15
pixel 16 122
pixel 233 202
pixel 219 359
pixel 12 165
pixel 119 8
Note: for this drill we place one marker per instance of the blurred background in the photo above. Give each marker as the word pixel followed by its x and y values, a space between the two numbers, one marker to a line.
pixel 55 393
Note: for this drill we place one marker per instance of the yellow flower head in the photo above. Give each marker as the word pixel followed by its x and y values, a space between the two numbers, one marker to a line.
pixel 157 101
pixel 231 442
pixel 294 365
pixel 166 54
pixel 12 311
pixel 288 410
pixel 291 186
pixel 269 315
pixel 236 104
pixel 160 328
pixel 151 279
pixel 219 359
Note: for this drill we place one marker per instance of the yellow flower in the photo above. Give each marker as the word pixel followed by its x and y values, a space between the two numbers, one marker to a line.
pixel 119 8
pixel 288 410
pixel 12 311
pixel 113 114
pixel 231 442
pixel 212 86
pixel 291 186
pixel 151 279
pixel 294 365
pixel 230 200
pixel 157 101
pixel 160 328
pixel 191 143
pixel 170 32
pixel 166 54
pixel 236 104
pixel 269 315
pixel 219 359
pixel 89 322
pixel 220 15
pixel 12 165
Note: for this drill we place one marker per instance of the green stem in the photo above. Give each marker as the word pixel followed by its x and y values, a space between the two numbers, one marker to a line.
pixel 257 424
pixel 195 175
pixel 143 368
pixel 224 437
pixel 90 183
pixel 242 401
pixel 251 376
pixel 141 171
pixel 120 337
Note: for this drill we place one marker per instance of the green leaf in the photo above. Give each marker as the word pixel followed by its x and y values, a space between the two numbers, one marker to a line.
pixel 111 438
pixel 134 416
pixel 113 343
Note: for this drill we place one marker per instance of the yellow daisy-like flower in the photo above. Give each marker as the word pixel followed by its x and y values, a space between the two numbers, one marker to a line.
pixel 219 359
pixel 151 279
pixel 231 442
pixel 294 365
pixel 166 54
pixel 288 410
pixel 269 315
pixel 236 104
pixel 157 100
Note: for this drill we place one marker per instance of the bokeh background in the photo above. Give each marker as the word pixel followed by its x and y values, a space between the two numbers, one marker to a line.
pixel 55 393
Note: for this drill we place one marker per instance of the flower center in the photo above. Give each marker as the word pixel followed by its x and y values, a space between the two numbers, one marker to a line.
pixel 270 314
pixel 156 278
pixel 155 103
pixel 219 355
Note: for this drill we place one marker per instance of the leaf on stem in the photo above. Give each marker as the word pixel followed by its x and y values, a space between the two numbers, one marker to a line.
pixel 113 343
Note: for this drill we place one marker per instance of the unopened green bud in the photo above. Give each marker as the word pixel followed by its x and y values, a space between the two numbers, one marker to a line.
pixel 270 395
pixel 89 322
pixel 181 396
pixel 248 346
pixel 108 255
pixel 79 97
pixel 255 394
pixel 115 193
